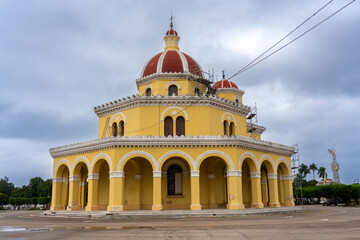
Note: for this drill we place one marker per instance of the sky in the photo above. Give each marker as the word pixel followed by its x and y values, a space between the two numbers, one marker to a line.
pixel 59 59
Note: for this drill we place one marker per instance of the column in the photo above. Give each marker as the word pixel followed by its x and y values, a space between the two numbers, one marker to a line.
pixel 232 186
pixel 73 193
pixel 137 189
pixel 240 190
pixel 256 190
pixel 157 206
pixel 211 177
pixel 56 194
pixel 273 190
pixel 116 191
pixel 288 189
pixel 195 190
pixel 93 183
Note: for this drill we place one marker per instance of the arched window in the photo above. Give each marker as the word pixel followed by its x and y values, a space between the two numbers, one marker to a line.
pixel 168 126
pixel 148 92
pixel 174 180
pixel 173 90
pixel 226 126
pixel 197 91
pixel 114 129
pixel 237 101
pixel 180 126
pixel 231 129
pixel 121 128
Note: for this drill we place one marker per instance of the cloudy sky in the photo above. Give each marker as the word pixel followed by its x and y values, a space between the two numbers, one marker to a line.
pixel 58 59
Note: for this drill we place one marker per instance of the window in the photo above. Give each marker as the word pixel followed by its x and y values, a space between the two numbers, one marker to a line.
pixel 121 128
pixel 197 91
pixel 180 126
pixel 231 129
pixel 148 92
pixel 173 90
pixel 114 129
pixel 168 126
pixel 226 128
pixel 174 180
pixel 237 101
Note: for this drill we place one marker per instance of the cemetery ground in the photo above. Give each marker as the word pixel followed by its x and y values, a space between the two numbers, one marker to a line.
pixel 315 222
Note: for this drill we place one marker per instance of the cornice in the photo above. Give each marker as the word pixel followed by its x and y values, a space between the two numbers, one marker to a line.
pixel 202 100
pixel 230 90
pixel 256 128
pixel 171 142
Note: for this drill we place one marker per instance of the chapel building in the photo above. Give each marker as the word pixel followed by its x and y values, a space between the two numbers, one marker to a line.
pixel 181 142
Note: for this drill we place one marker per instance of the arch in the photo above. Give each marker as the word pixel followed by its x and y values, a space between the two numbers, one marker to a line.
pixel 114 129
pixel 197 91
pixel 271 162
pixel 175 153
pixel 121 128
pixel 213 153
pixel 172 83
pixel 133 154
pixel 170 162
pixel 99 157
pixel 180 126
pixel 237 99
pixel 174 107
pixel 77 161
pixel 174 180
pixel 61 162
pixel 168 126
pixel 283 160
pixel 146 88
pixel 231 129
pixel 233 118
pixel 251 156
pixel 173 90
pixel 116 114
pixel 226 128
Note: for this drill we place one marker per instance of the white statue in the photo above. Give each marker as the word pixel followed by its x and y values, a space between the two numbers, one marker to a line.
pixel 334 166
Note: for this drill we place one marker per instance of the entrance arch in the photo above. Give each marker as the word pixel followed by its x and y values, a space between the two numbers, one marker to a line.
pixel 138 184
pixel 80 186
pixel 248 168
pixel 60 192
pixel 283 174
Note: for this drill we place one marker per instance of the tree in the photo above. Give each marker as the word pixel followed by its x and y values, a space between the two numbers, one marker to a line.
pixel 4 199
pixel 304 170
pixel 6 186
pixel 322 173
pixel 313 168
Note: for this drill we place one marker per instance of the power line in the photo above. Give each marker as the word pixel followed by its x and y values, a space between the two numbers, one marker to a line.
pixel 253 63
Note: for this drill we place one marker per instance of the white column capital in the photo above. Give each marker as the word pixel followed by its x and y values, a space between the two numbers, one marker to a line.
pixel 272 176
pixel 74 178
pixel 195 173
pixel 285 177
pixel 156 173
pixel 119 174
pixel 233 173
pixel 58 179
pixel 255 175
pixel 93 176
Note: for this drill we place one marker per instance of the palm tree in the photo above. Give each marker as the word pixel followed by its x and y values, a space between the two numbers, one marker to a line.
pixel 322 173
pixel 313 168
pixel 304 170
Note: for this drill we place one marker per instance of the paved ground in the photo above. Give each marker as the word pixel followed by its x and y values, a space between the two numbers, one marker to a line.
pixel 316 222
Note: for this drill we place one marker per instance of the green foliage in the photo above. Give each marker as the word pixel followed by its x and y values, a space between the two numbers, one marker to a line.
pixel 44 200
pixel 313 168
pixel 322 173
pixel 35 201
pixel 303 170
pixel 6 187
pixel 4 199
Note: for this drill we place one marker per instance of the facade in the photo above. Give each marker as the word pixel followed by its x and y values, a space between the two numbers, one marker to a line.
pixel 180 143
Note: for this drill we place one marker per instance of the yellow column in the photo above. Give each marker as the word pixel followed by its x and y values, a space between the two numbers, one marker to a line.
pixel 289 198
pixel 137 190
pixel 211 177
pixel 281 191
pixel 157 206
pixel 117 191
pixel 233 193
pixel 56 194
pixel 93 183
pixel 240 191
pixel 73 193
pixel 256 190
pixel 195 190
pixel 273 190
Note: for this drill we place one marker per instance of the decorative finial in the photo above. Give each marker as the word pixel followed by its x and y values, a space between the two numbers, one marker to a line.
pixel 171 18
pixel 223 74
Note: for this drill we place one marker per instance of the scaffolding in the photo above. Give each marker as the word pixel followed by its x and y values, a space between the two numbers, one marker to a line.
pixel 297 184
pixel 252 121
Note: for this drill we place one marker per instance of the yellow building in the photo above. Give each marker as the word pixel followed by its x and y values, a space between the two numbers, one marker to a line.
pixel 180 143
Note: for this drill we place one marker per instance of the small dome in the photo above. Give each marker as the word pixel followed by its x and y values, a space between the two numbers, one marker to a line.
pixel 171 32
pixel 171 61
pixel 224 84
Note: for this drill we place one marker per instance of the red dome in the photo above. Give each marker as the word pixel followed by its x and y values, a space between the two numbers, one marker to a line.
pixel 224 84
pixel 171 32
pixel 172 61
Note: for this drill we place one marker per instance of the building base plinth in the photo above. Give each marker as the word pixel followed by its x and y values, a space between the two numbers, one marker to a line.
pixel 115 208
pixel 289 204
pixel 73 208
pixel 274 205
pixel 235 206
pixel 57 207
pixel 156 207
pixel 195 207
pixel 92 208
pixel 257 205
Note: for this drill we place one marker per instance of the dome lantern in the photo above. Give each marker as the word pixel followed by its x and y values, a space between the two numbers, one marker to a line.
pixel 171 38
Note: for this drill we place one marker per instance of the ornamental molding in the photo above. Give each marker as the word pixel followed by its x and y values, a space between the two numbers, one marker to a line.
pixel 93 176
pixel 230 90
pixel 133 101
pixel 157 174
pixel 285 177
pixel 233 173
pixel 119 174
pixel 272 176
pixel 102 144
pixel 59 180
pixel 255 175
pixel 195 173
pixel 167 76
pixel 74 178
